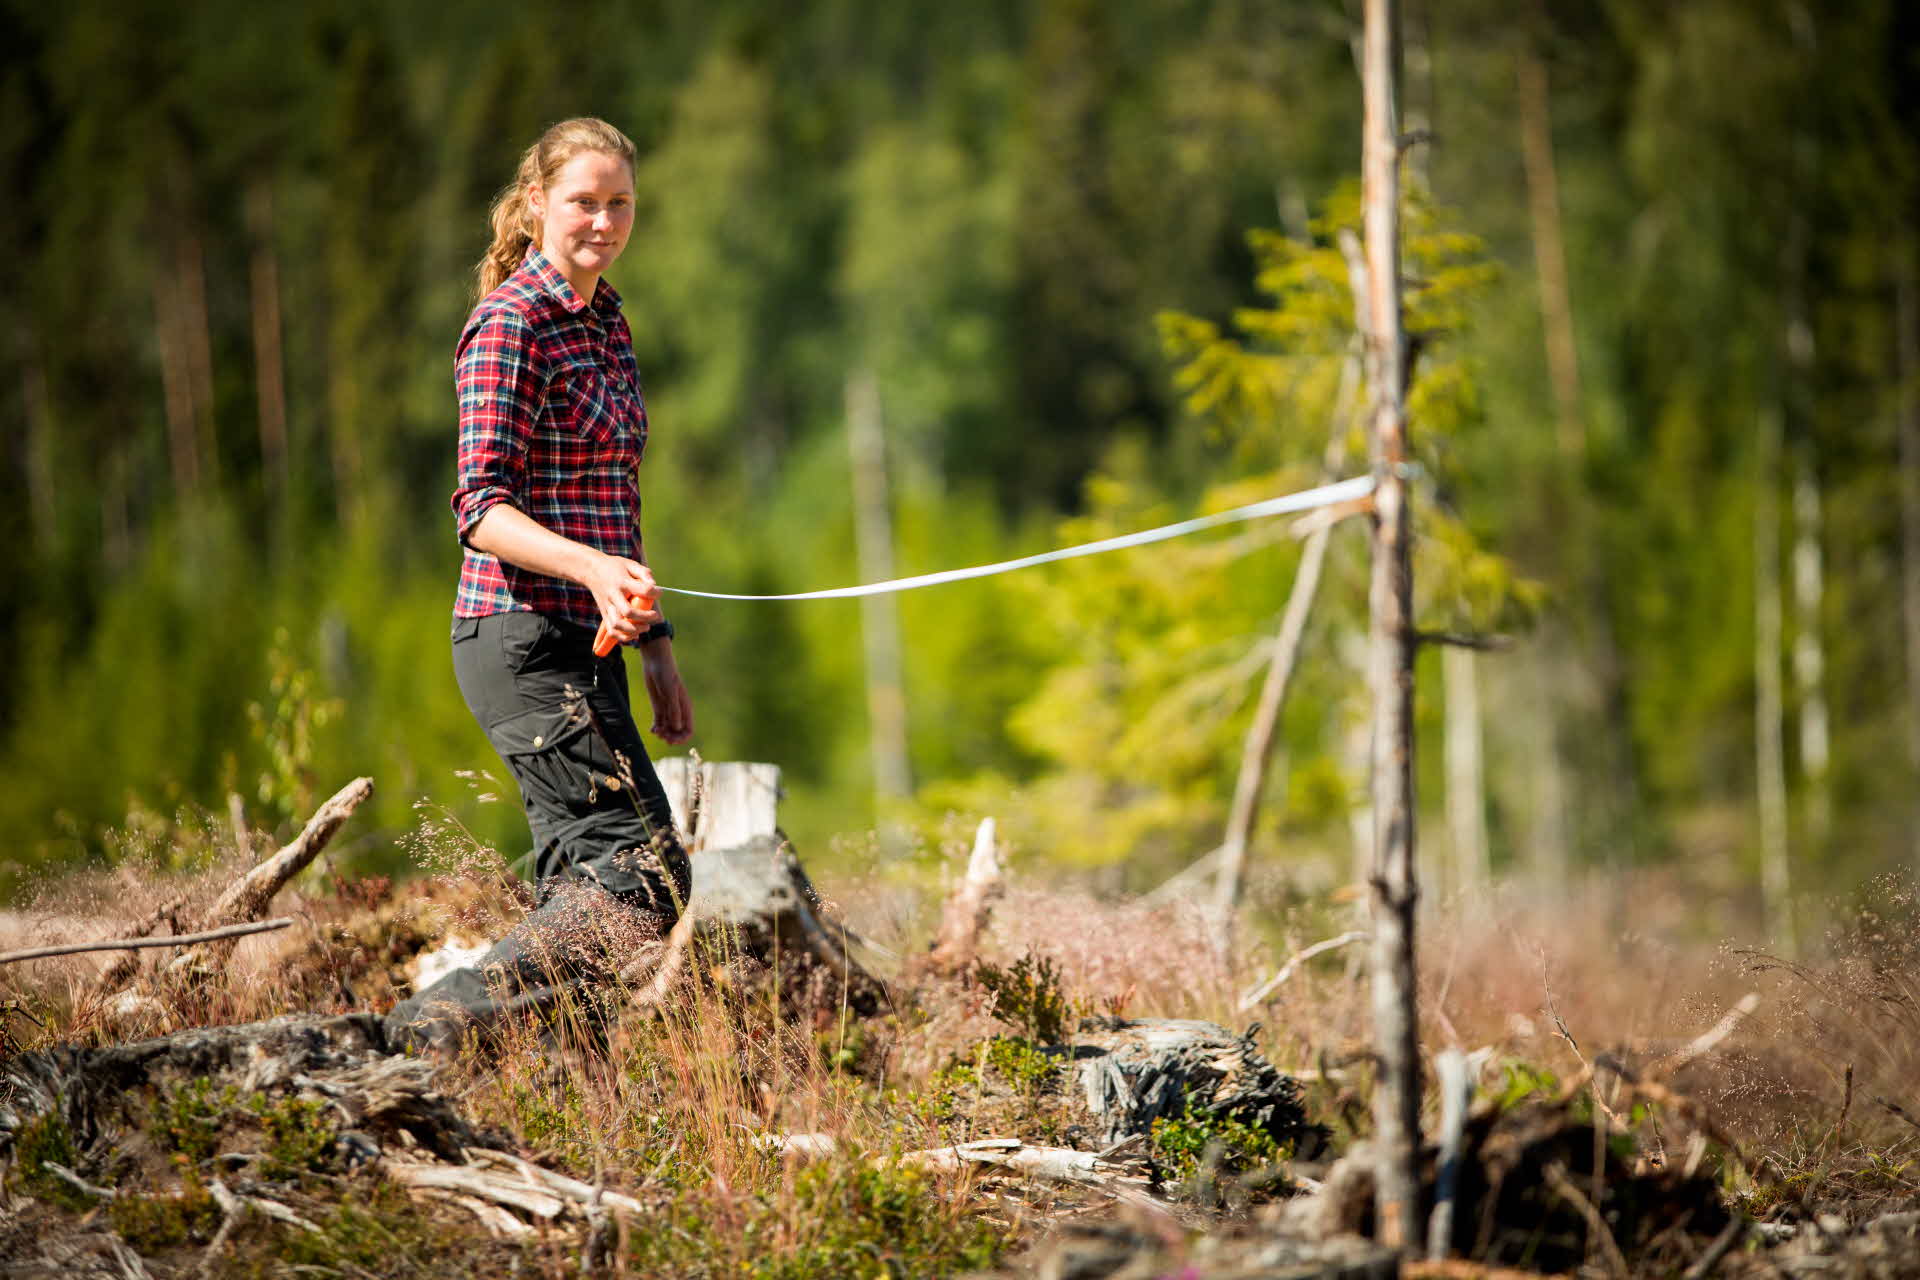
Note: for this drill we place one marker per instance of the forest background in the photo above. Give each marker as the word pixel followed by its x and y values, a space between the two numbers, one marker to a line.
pixel 1075 263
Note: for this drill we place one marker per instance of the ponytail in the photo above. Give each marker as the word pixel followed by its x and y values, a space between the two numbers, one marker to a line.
pixel 515 229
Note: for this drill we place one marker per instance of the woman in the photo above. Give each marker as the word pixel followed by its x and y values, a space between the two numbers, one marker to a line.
pixel 552 426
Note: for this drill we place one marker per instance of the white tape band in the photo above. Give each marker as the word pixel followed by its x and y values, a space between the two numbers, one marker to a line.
pixel 1324 495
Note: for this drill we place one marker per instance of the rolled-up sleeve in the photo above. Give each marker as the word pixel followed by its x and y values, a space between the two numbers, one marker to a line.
pixel 501 380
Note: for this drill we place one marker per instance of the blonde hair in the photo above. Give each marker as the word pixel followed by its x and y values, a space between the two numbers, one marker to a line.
pixel 514 226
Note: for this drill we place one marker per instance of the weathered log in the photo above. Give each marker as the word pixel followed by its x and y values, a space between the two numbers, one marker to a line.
pixel 342 1060
pixel 1129 1181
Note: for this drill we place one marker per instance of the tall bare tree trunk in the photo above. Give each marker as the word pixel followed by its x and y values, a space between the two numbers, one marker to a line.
pixel 269 364
pixel 1394 882
pixel 1770 765
pixel 1789 419
pixel 1466 779
pixel 1592 648
pixel 1257 753
pixel 183 454
pixel 197 337
pixel 116 522
pixel 1907 362
pixel 879 615
pixel 1549 251
pixel 1550 855
pixel 1809 652
pixel 37 463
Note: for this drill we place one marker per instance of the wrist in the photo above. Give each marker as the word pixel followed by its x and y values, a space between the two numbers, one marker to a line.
pixel 586 564
pixel 657 638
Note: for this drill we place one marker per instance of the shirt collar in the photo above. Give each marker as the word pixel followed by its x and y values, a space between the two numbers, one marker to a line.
pixel 605 298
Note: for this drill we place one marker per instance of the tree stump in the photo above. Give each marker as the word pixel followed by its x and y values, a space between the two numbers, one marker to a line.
pixel 1131 1072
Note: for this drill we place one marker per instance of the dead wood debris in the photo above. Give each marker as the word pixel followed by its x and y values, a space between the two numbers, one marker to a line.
pixel 247 899
pixel 139 943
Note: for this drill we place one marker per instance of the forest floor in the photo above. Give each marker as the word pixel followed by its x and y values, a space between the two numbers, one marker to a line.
pixel 1645 1103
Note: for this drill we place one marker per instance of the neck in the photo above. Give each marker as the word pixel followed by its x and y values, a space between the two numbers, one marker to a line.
pixel 584 282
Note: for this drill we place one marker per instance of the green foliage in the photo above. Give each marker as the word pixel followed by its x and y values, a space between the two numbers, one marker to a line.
pixel 1156 654
pixel 1520 1081
pixel 301 1134
pixel 152 1223
pixel 48 1139
pixel 1027 997
pixel 188 1118
pixel 285 726
pixel 548 1114
pixel 877 1219
pixel 1200 1137
pixel 1021 1064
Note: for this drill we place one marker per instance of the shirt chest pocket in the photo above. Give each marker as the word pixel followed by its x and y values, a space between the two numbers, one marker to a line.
pixel 584 405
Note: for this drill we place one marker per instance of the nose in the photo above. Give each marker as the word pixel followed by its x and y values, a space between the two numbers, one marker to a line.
pixel 603 220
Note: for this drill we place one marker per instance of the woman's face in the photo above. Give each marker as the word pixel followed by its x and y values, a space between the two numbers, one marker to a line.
pixel 586 214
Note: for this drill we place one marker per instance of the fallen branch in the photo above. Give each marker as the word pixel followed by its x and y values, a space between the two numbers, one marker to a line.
pixel 496 1220
pixel 1267 988
pixel 1723 1244
pixel 78 1183
pixel 570 1188
pixel 129 944
pixel 1707 1041
pixel 116 974
pixel 499 1188
pixel 248 899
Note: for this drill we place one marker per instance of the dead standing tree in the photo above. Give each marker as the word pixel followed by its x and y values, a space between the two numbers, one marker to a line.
pixel 1391 645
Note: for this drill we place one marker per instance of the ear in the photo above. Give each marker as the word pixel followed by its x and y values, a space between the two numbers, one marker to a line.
pixel 536 202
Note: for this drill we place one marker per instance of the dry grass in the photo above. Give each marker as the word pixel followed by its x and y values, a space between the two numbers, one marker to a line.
pixel 663 1101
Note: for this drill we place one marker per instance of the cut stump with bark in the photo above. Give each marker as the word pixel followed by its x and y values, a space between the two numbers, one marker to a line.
pixel 756 899
pixel 1131 1072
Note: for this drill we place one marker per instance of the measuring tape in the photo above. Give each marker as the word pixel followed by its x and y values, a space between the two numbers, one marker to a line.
pixel 1306 500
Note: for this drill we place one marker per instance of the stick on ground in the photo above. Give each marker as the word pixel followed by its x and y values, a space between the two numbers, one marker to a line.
pixel 128 944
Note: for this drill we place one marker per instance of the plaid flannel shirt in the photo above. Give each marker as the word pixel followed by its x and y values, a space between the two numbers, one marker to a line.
pixel 552 422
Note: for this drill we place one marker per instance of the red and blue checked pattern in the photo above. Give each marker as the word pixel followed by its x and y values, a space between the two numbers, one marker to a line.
pixel 551 421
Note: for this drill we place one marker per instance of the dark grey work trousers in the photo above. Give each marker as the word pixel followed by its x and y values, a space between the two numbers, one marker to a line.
pixel 611 870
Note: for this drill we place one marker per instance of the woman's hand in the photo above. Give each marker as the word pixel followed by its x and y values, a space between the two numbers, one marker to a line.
pixel 515 537
pixel 619 585
pixel 672 708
